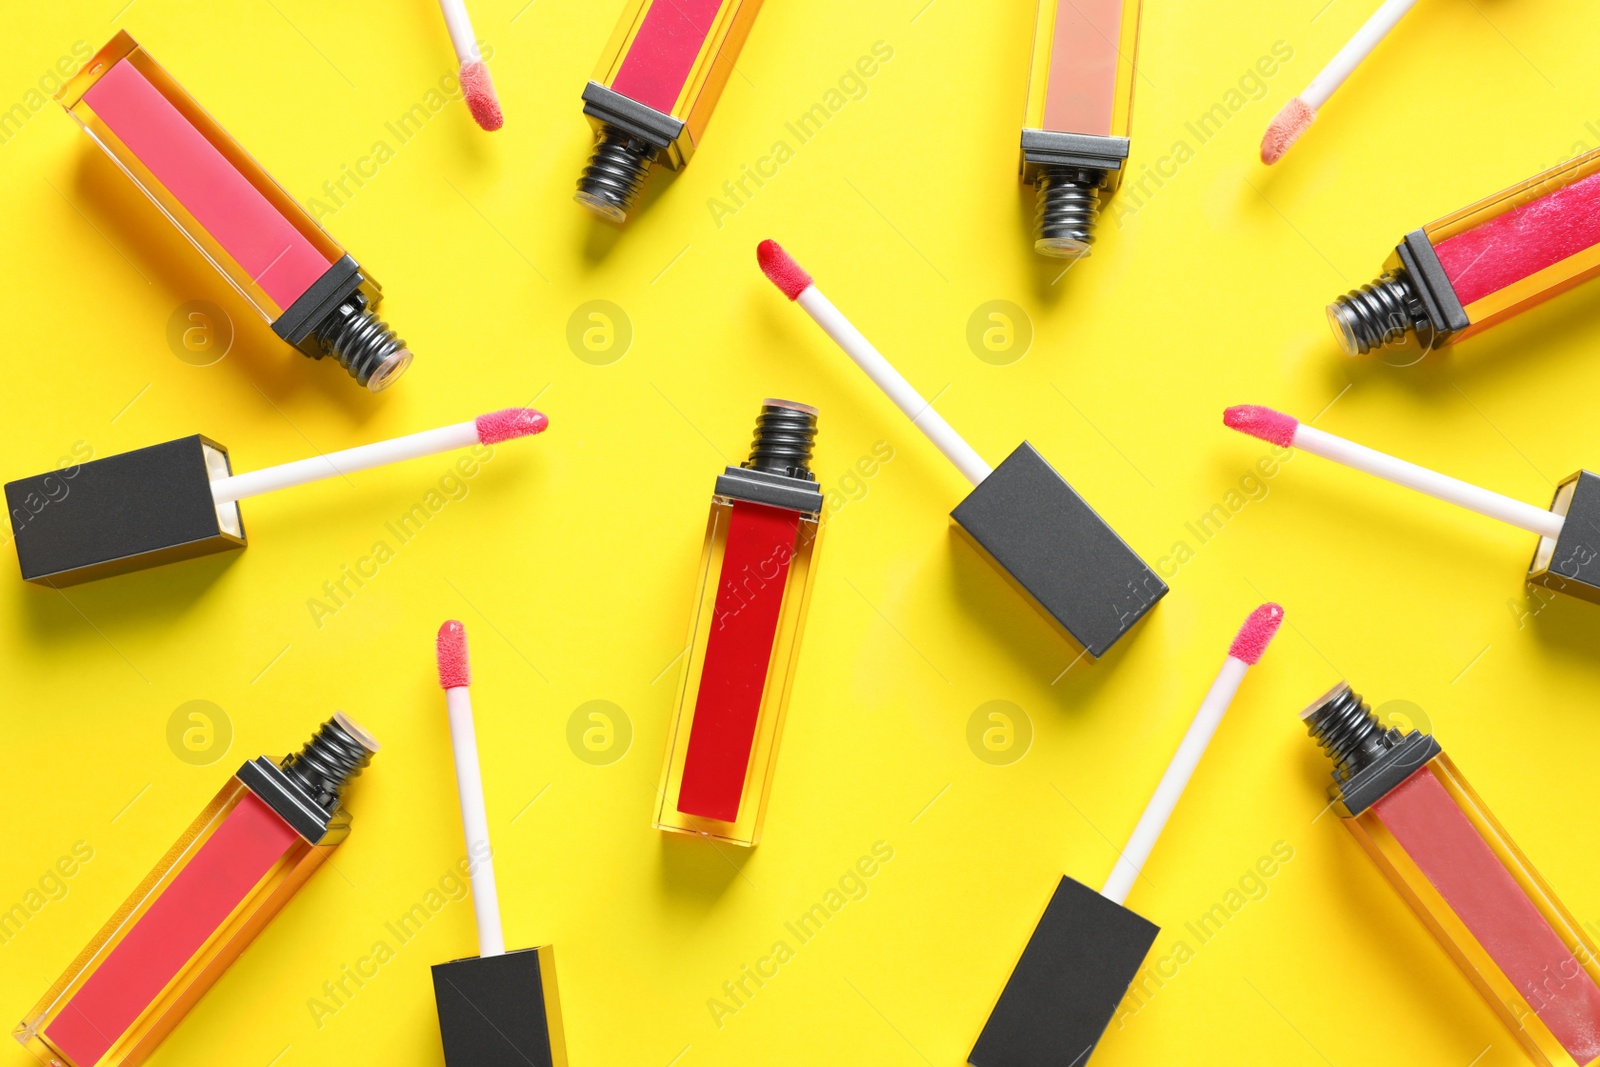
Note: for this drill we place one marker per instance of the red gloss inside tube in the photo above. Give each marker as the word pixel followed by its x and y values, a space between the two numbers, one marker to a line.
pixel 1449 851
pixel 750 591
pixel 664 50
pixel 241 852
pixel 1521 242
pixel 248 227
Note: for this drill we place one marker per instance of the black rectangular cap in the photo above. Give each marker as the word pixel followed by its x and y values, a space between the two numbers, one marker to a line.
pixel 123 513
pixel 1077 967
pixel 1057 552
pixel 1570 562
pixel 500 1011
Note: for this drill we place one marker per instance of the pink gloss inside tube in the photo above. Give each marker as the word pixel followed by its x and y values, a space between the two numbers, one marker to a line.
pixel 1080 95
pixel 664 50
pixel 1523 241
pixel 1470 877
pixel 233 859
pixel 245 223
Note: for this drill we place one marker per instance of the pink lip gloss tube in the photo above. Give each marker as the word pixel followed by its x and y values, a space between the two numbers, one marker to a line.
pixel 1448 857
pixel 259 239
pixel 658 82
pixel 1478 267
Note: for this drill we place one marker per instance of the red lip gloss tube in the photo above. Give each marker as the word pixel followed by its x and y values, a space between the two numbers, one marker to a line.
pixel 652 94
pixel 1445 853
pixel 1457 277
pixel 744 640
pixel 1080 106
pixel 226 876
pixel 265 244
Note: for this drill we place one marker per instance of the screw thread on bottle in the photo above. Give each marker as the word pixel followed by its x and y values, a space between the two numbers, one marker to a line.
pixel 1068 201
pixel 785 434
pixel 327 763
pixel 1346 729
pixel 1379 315
pixel 609 185
pixel 363 345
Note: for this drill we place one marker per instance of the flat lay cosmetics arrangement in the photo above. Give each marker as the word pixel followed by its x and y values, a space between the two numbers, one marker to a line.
pixel 740 680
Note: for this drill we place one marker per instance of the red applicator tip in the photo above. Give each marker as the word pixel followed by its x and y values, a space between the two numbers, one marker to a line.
pixel 1255 635
pixel 510 424
pixel 454 668
pixel 781 269
pixel 1261 422
pixel 478 88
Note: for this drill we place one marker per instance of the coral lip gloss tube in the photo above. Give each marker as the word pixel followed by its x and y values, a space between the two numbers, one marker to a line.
pixel 654 90
pixel 1457 277
pixel 246 226
pixel 754 588
pixel 1445 853
pixel 249 850
pixel 1080 104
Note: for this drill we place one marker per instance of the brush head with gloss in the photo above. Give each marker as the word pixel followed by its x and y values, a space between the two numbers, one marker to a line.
pixel 1256 634
pixel 1257 421
pixel 478 88
pixel 509 424
pixel 781 269
pixel 455 670
pixel 1295 119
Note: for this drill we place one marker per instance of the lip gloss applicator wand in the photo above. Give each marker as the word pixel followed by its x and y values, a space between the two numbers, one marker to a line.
pixel 476 85
pixel 498 1008
pixel 1567 558
pixel 1087 948
pixel 1022 516
pixel 179 499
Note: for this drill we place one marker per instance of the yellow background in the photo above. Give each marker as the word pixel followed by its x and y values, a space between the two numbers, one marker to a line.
pixel 572 559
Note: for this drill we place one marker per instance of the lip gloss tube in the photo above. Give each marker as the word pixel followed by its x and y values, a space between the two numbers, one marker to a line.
pixel 1480 266
pixel 264 244
pixel 1448 857
pixel 1080 105
pixel 249 850
pixel 652 94
pixel 744 639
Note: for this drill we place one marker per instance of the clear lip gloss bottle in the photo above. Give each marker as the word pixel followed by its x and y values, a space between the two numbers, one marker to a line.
pixel 1448 857
pixel 744 641
pixel 653 93
pixel 264 244
pixel 1480 266
pixel 1080 106
pixel 249 850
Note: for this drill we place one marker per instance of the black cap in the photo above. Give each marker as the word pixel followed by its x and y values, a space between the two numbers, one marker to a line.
pixel 1057 552
pixel 1570 562
pixel 500 1011
pixel 1078 965
pixel 123 513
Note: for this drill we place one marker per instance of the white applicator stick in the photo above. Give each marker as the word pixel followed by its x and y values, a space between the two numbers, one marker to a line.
pixel 781 269
pixel 488 429
pixel 455 675
pixel 476 85
pixel 1251 642
pixel 1289 432
pixel 1298 114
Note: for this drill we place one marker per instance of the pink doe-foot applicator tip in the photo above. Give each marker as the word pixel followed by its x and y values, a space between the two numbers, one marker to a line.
pixel 1255 635
pixel 454 669
pixel 1295 119
pixel 1261 422
pixel 510 424
pixel 478 88
pixel 781 269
